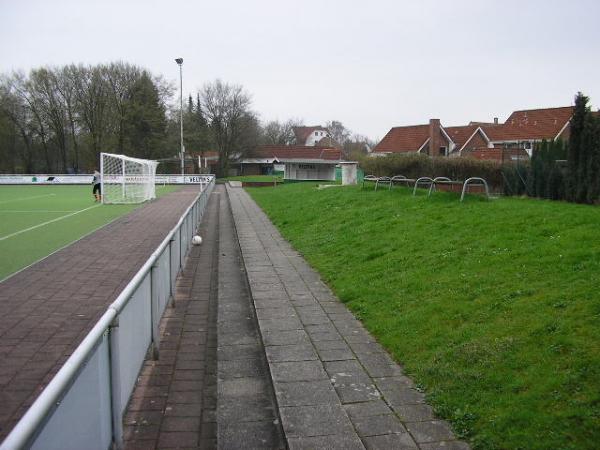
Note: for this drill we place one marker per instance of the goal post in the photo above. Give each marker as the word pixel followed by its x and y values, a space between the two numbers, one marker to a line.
pixel 127 180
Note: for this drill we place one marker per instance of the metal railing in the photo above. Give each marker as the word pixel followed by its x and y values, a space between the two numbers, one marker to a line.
pixel 83 405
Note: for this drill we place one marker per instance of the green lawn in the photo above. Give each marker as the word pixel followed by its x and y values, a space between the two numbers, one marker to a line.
pixel 25 234
pixel 493 307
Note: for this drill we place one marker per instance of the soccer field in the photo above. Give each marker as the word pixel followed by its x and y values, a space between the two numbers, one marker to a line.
pixel 38 220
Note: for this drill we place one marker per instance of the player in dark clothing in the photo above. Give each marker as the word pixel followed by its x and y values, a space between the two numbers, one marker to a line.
pixel 97 190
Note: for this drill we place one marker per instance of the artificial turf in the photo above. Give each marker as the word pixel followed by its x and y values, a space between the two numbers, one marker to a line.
pixel 493 307
pixel 27 207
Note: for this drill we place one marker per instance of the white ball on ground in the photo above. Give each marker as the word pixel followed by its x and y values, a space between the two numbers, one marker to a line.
pixel 197 240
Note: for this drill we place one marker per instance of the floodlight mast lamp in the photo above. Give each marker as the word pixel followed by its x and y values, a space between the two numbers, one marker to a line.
pixel 179 62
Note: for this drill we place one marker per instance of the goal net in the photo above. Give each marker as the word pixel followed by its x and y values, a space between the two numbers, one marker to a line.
pixel 126 179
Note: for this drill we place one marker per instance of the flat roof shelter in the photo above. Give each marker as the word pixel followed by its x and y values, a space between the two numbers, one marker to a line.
pixel 300 162
pixel 310 170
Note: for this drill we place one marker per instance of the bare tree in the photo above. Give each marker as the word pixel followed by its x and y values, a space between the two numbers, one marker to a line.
pixel 19 115
pixel 43 85
pixel 278 133
pixel 234 126
pixel 66 89
pixel 338 132
pixel 121 77
pixel 357 146
pixel 93 96
pixel 24 91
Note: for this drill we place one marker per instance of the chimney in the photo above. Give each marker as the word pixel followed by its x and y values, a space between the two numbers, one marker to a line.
pixel 435 141
pixel 495 121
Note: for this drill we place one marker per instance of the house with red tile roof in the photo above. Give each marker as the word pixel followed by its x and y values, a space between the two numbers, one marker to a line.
pixel 311 136
pixel 514 138
pixel 525 128
pixel 429 139
pixel 299 162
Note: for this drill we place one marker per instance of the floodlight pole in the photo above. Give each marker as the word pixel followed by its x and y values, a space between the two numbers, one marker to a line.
pixel 179 62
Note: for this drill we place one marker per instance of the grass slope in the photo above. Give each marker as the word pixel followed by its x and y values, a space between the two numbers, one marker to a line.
pixel 492 306
pixel 22 207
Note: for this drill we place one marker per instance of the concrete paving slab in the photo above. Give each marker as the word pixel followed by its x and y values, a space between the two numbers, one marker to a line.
pixel 305 393
pixel 297 371
pixel 317 420
pixel 378 425
pixel 331 442
pixel 374 407
pixel 430 431
pixel 296 352
pixel 254 436
pixel 390 442
pixel 445 445
pixel 285 337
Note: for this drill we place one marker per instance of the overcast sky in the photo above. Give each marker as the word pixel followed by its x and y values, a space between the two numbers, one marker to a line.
pixel 369 64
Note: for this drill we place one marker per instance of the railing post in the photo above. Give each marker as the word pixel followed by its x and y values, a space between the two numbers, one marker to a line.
pixel 115 385
pixel 180 240
pixel 154 314
pixel 171 280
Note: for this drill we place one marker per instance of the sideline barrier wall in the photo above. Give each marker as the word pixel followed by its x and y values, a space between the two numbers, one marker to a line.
pixel 83 405
pixel 58 179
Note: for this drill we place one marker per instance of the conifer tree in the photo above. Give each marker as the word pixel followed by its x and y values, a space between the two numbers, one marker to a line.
pixel 145 121
pixel 199 114
pixel 593 167
pixel 577 161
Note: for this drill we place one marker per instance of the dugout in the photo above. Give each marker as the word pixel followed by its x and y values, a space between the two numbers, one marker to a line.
pixel 310 170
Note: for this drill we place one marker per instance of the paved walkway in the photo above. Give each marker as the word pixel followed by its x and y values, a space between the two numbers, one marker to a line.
pixel 198 394
pixel 175 399
pixel 335 386
pixel 48 308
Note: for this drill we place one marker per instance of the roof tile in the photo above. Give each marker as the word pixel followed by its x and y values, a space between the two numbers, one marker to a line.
pixel 297 152
pixel 403 139
pixel 532 124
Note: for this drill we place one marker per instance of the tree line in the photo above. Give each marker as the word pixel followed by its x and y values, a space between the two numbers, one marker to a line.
pixel 570 170
pixel 59 119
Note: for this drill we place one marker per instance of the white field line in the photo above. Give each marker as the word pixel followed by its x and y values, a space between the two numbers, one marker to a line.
pixel 26 198
pixel 46 223
pixel 33 211
pixel 59 249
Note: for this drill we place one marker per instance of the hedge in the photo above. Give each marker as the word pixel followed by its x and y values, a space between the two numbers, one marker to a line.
pixel 416 165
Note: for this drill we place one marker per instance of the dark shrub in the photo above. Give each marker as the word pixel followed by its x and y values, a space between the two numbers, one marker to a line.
pixel 414 165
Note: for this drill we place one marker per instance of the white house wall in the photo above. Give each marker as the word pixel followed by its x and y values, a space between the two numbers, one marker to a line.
pixel 315 137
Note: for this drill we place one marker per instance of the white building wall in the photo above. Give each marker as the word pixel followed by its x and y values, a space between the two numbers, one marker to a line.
pixel 315 137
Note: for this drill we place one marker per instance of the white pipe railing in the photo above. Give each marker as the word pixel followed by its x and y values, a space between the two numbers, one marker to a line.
pixel 83 405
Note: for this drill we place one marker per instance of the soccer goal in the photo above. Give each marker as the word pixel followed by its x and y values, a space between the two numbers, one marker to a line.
pixel 126 179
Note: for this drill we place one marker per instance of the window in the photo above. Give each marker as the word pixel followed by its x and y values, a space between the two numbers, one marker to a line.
pixel 442 151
